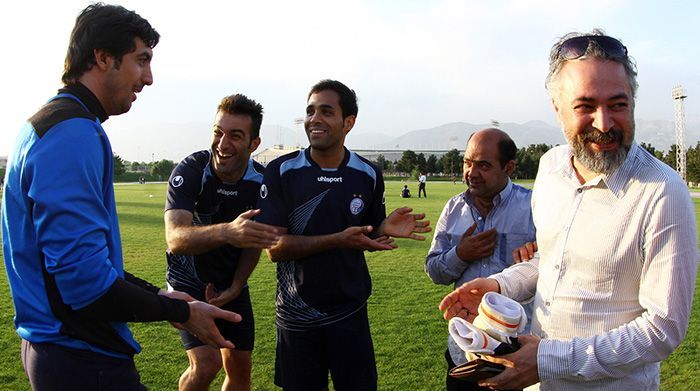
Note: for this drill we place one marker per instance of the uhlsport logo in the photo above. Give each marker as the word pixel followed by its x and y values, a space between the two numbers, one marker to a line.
pixel 228 193
pixel 263 191
pixel 356 206
pixel 330 179
pixel 177 181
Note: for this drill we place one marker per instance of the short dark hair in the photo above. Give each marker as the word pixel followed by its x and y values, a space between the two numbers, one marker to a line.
pixel 506 149
pixel 348 98
pixel 506 146
pixel 241 104
pixel 111 28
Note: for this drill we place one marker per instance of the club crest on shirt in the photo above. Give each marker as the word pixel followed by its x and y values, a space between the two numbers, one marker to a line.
pixel 356 205
pixel 177 181
pixel 263 191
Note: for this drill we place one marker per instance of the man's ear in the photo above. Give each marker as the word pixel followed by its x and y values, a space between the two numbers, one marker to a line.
pixel 103 60
pixel 348 123
pixel 254 144
pixel 510 167
pixel 555 105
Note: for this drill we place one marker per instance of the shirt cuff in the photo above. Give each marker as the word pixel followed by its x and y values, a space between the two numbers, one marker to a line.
pixel 553 359
pixel 454 263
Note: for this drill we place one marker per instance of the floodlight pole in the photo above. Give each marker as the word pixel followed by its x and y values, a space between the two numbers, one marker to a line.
pixel 678 95
pixel 297 122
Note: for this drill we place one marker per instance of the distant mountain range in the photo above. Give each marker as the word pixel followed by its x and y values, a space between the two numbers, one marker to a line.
pixel 658 133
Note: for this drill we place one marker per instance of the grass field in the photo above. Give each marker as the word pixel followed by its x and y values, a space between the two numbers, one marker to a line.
pixel 408 330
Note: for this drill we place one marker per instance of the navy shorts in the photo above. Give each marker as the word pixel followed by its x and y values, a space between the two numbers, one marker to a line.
pixel 55 367
pixel 344 348
pixel 242 334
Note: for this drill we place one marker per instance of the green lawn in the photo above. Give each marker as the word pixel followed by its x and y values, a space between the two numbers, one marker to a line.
pixel 409 333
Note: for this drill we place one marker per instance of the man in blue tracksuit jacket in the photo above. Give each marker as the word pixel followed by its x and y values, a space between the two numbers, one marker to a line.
pixel 61 241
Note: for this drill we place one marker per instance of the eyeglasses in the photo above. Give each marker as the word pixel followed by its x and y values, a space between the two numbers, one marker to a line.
pixel 576 47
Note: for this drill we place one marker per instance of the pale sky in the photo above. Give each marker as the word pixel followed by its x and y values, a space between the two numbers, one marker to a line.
pixel 414 64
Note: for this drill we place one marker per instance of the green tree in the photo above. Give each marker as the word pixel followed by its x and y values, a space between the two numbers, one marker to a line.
pixel 692 160
pixel 119 167
pixel 670 157
pixel 528 159
pixel 162 169
pixel 383 163
pixel 452 162
pixel 650 148
pixel 420 162
pixel 431 164
pixel 407 162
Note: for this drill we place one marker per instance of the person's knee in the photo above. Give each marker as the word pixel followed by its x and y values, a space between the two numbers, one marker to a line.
pixel 238 363
pixel 205 367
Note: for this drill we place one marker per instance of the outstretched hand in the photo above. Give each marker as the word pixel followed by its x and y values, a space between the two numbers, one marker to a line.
pixel 464 301
pixel 386 239
pixel 201 323
pixel 356 237
pixel 243 232
pixel 401 223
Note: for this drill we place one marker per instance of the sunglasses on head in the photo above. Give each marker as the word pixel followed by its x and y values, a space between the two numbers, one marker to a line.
pixel 576 47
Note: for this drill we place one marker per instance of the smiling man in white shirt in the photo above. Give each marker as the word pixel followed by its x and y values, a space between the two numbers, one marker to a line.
pixel 614 278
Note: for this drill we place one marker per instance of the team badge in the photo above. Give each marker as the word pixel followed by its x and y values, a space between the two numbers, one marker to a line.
pixel 356 206
pixel 263 191
pixel 177 181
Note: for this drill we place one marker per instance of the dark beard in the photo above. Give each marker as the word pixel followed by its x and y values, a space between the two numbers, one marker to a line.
pixel 604 162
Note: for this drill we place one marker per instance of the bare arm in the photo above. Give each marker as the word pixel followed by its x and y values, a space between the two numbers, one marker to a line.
pixel 184 238
pixel 293 247
pixel 246 264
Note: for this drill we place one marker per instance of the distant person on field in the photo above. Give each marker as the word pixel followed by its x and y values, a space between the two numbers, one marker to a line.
pixel 328 202
pixel 60 232
pixel 405 192
pixel 614 277
pixel 213 243
pixel 421 184
pixel 479 229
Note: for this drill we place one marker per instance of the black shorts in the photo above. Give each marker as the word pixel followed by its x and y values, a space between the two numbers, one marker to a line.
pixel 242 334
pixel 55 367
pixel 343 348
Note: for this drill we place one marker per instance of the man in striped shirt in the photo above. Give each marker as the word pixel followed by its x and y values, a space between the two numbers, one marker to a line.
pixel 614 277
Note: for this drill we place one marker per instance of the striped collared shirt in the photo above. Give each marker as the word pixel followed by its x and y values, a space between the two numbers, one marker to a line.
pixel 616 272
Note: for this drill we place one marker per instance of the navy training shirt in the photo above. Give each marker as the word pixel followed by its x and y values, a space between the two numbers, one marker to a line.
pixel 308 200
pixel 193 186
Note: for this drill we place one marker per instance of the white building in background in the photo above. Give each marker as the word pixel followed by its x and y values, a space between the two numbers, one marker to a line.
pixel 393 155
pixel 269 154
pixel 3 162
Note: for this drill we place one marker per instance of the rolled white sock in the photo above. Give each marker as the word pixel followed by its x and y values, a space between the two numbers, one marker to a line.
pixel 500 316
pixel 470 338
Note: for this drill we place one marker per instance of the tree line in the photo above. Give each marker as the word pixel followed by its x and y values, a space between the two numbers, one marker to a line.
pixel 126 171
pixel 412 164
pixel 526 162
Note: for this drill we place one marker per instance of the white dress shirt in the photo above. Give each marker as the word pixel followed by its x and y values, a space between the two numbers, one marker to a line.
pixel 616 272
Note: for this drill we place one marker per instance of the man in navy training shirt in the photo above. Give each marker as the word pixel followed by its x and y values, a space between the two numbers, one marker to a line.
pixel 479 229
pixel 213 243
pixel 328 203
pixel 61 240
